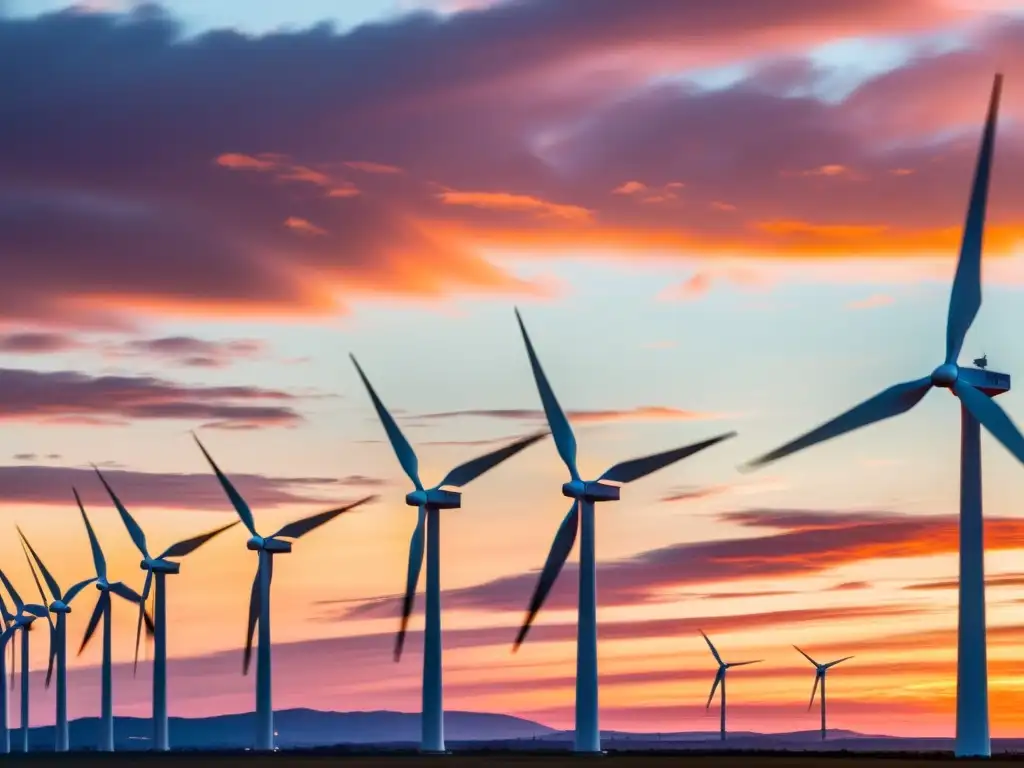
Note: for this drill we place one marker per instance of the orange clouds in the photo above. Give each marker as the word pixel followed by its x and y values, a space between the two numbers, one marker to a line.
pixel 302 226
pixel 506 201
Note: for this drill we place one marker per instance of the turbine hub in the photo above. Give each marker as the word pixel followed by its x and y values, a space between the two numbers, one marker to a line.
pixel 254 543
pixel 574 489
pixel 416 499
pixel 102 585
pixel 945 375
pixel 59 606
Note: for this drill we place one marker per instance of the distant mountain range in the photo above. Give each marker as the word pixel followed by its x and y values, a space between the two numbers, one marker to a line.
pixel 306 728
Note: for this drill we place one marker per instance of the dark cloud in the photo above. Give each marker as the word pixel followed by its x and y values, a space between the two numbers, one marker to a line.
pixel 69 396
pixel 52 486
pixel 192 352
pixel 246 174
pixel 639 413
pixel 797 543
pixel 36 342
pixel 1002 580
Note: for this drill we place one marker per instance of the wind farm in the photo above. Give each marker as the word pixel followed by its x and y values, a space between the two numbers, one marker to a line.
pixel 707 227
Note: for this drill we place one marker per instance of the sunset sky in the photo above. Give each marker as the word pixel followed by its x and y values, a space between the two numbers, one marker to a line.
pixel 713 215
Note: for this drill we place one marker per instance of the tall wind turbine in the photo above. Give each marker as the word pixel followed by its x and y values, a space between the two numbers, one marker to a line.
pixel 103 611
pixel 259 599
pixel 975 388
pixel 430 502
pixel 720 680
pixel 157 569
pixel 819 676
pixel 26 614
pixel 61 606
pixel 585 494
pixel 10 626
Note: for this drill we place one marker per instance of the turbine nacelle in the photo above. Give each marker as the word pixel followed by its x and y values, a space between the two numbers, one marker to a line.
pixel 59 606
pixel 590 490
pixel 159 565
pixel 24 620
pixel 434 497
pixel 269 544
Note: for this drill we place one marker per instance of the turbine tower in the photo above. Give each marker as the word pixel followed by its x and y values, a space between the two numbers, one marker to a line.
pixel 157 569
pixel 819 676
pixel 61 606
pixel 259 599
pixel 720 680
pixel 585 494
pixel 430 502
pixel 10 627
pixel 103 611
pixel 26 614
pixel 975 389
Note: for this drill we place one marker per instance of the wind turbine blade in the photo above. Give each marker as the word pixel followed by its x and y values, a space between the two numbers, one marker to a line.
pixel 837 661
pixel 814 690
pixel 471 470
pixel 129 522
pixel 634 469
pixel 743 663
pixel 39 587
pixel 47 577
pixel 965 297
pixel 891 402
pixel 37 610
pixel 53 654
pixel 254 614
pixel 94 621
pixel 565 441
pixel 76 588
pixel 404 452
pixel 138 624
pixel 125 592
pixel 301 527
pixel 993 418
pixel 564 541
pixel 19 606
pixel 244 513
pixel 188 546
pixel 411 579
pixel 97 554
pixel 807 657
pixel 714 687
pixel 714 652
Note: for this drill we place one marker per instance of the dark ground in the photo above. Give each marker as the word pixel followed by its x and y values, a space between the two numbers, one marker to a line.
pixel 323 758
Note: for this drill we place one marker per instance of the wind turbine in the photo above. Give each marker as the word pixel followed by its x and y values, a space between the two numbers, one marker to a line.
pixel 10 627
pixel 975 388
pixel 259 599
pixel 26 614
pixel 157 568
pixel 819 676
pixel 720 679
pixel 585 494
pixel 430 502
pixel 103 611
pixel 61 606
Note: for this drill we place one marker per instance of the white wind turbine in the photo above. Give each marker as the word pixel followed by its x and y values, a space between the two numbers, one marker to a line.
pixel 585 494
pixel 975 388
pixel 819 676
pixel 26 614
pixel 10 626
pixel 430 502
pixel 157 569
pixel 103 611
pixel 61 606
pixel 720 680
pixel 259 599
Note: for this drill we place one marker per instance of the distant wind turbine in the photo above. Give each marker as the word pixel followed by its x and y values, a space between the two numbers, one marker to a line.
pixel 819 676
pixel 585 494
pixel 10 626
pixel 430 502
pixel 157 568
pixel 259 599
pixel 26 614
pixel 720 680
pixel 61 606
pixel 103 611
pixel 975 389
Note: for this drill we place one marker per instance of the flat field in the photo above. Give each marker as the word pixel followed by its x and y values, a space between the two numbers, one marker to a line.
pixel 322 759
